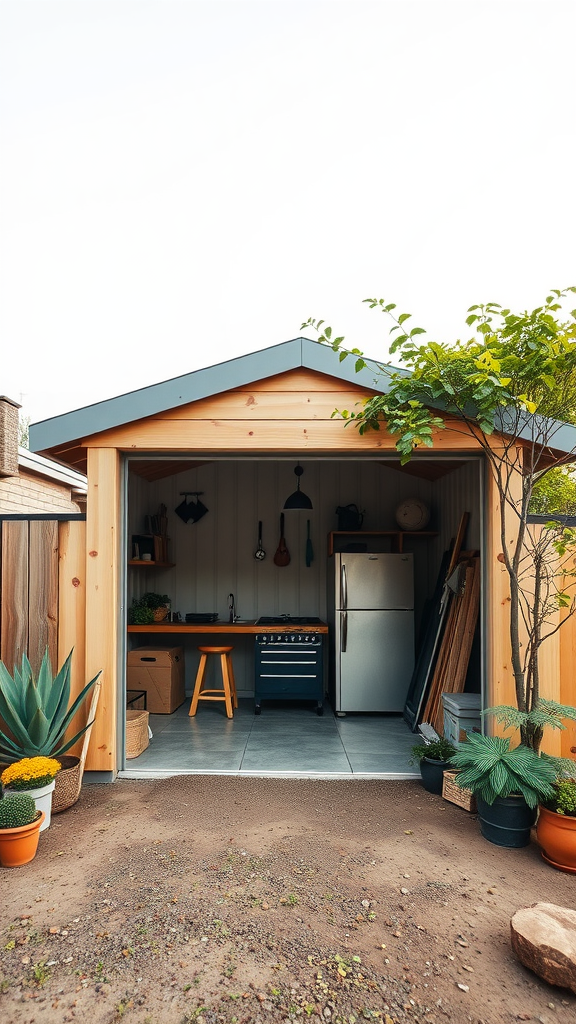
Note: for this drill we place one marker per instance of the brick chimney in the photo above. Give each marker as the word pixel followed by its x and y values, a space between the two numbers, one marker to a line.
pixel 8 436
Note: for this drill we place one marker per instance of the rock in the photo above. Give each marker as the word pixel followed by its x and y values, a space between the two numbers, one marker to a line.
pixel 544 940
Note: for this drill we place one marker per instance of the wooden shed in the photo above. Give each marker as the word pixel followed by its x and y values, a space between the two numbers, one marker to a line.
pixel 233 434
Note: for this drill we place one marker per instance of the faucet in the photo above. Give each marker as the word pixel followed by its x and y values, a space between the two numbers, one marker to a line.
pixel 232 608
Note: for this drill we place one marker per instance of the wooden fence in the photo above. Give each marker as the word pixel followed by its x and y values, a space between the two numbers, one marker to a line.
pixel 38 602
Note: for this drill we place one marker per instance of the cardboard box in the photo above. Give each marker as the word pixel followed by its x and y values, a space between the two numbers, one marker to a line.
pixel 159 671
pixel 455 795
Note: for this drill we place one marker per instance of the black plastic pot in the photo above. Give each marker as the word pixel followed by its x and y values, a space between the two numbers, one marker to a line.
pixel 507 822
pixel 432 773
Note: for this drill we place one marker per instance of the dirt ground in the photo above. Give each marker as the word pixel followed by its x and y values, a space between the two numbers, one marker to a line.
pixel 244 901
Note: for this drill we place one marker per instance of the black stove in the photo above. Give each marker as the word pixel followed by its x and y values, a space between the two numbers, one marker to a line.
pixel 288 620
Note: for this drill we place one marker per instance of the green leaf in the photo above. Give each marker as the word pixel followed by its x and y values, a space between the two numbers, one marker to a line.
pixel 403 317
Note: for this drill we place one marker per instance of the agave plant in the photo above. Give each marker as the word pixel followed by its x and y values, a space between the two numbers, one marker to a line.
pixel 490 768
pixel 35 711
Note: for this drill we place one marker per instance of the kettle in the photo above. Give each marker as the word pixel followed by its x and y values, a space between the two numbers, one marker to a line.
pixel 349 517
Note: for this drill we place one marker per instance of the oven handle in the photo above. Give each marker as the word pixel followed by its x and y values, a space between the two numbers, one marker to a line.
pixel 343 631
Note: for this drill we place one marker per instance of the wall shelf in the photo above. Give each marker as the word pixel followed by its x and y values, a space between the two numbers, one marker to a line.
pixel 396 537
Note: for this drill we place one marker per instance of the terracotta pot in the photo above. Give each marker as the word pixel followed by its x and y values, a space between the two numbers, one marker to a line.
pixel 556 834
pixel 18 845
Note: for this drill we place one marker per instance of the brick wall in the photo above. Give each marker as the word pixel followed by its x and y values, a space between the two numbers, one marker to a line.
pixel 27 493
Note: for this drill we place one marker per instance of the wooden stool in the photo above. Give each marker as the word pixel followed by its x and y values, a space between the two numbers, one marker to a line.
pixel 227 693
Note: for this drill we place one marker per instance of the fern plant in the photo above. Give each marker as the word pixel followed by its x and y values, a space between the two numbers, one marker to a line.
pixel 489 767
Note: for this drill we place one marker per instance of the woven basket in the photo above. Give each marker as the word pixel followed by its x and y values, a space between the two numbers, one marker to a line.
pixel 136 732
pixel 67 783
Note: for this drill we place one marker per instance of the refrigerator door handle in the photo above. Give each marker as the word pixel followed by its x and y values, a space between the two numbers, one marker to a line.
pixel 343 586
pixel 343 631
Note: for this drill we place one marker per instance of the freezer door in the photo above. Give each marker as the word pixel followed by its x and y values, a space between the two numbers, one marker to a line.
pixel 374 660
pixel 374 580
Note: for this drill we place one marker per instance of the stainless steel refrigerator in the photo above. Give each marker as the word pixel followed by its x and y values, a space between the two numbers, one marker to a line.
pixel 371 614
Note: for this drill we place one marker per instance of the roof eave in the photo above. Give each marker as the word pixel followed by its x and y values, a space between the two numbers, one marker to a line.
pixel 199 384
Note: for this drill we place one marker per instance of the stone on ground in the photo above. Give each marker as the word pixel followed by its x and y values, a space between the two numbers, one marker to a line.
pixel 544 940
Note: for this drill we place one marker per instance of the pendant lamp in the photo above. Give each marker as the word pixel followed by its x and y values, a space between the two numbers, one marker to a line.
pixel 298 500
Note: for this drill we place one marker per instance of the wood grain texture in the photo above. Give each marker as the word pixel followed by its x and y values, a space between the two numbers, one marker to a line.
pixel 102 601
pixel 43 593
pixel 254 436
pixel 72 611
pixel 15 564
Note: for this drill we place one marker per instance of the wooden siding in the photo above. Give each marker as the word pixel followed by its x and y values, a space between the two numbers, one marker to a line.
pixel 291 412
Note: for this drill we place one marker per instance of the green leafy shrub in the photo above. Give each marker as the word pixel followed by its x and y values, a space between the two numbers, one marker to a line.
pixel 17 809
pixel 564 799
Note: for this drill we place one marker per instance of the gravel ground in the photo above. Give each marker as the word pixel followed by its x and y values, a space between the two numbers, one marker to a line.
pixel 224 900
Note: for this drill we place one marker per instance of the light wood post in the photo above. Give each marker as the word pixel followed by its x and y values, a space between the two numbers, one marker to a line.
pixel 102 599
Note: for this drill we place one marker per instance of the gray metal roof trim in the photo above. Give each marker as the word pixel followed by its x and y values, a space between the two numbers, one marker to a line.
pixel 169 394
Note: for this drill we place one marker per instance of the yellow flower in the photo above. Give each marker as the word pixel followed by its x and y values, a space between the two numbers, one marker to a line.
pixel 30 772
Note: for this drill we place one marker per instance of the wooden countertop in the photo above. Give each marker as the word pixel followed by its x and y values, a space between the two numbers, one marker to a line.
pixel 249 626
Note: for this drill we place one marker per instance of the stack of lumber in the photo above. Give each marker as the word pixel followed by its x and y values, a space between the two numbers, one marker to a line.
pixel 456 643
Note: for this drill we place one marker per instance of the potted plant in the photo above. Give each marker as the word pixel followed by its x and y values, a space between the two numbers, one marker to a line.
pixel 434 759
pixel 33 775
pixel 556 828
pixel 148 609
pixel 35 713
pixel 508 782
pixel 20 824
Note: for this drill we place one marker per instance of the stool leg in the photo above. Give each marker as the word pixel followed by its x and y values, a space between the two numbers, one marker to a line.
pixel 232 680
pixel 226 683
pixel 198 685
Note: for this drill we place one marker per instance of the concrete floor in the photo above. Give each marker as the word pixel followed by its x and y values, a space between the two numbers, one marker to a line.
pixel 287 739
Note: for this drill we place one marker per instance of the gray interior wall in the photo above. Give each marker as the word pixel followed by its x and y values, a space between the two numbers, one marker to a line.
pixel 216 555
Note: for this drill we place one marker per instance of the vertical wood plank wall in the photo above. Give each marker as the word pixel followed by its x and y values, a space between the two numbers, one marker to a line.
pixel 29 591
pixel 102 562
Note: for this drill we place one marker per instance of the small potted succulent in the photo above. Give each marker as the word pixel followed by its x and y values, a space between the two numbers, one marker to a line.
pixel 35 776
pixel 20 824
pixel 148 609
pixel 556 828
pixel 433 759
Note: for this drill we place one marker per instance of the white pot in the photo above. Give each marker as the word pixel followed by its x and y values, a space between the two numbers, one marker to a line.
pixel 42 798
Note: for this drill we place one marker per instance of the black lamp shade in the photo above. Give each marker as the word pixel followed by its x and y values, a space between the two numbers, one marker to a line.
pixel 298 500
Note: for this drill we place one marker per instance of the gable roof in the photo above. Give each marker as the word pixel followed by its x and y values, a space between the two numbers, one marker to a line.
pixel 228 375
pixel 204 383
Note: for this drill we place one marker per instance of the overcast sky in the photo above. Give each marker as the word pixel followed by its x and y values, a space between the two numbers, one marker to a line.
pixel 184 182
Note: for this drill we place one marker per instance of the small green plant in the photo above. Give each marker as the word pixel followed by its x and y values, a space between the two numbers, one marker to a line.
pixel 141 611
pixel 40 973
pixel 16 810
pixel 437 750
pixel 564 799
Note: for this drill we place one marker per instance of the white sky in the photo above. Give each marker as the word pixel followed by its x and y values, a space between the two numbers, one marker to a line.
pixel 184 182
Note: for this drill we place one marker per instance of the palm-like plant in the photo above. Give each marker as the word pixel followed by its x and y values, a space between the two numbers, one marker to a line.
pixel 490 768
pixel 35 711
